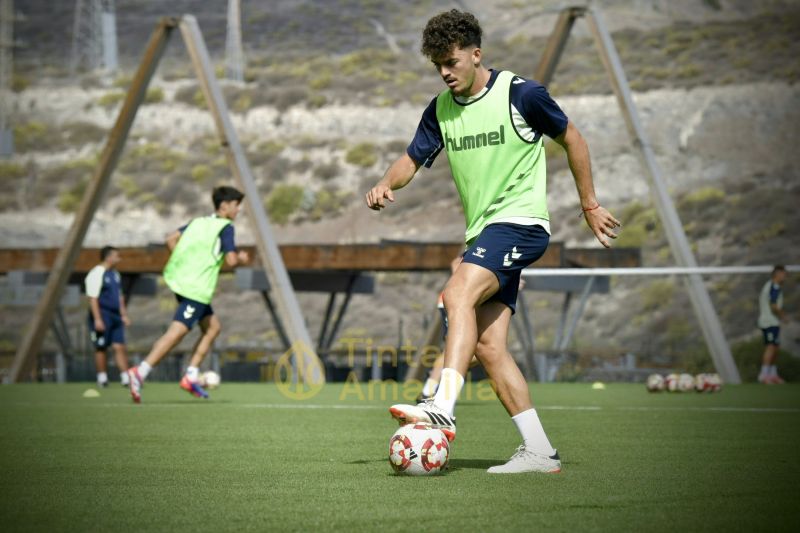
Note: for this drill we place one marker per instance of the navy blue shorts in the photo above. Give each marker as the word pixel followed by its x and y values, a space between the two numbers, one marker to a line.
pixel 190 312
pixel 113 334
pixel 772 335
pixel 506 249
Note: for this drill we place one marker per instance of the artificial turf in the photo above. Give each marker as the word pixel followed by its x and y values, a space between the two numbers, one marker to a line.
pixel 252 459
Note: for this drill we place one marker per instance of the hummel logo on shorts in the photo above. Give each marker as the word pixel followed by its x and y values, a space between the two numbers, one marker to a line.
pixel 514 256
pixel 187 314
pixel 479 252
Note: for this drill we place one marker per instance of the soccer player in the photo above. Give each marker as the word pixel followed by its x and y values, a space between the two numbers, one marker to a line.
pixel 107 315
pixel 491 123
pixel 770 316
pixel 198 250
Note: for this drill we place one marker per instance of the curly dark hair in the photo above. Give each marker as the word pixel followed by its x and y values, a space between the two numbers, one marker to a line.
pixel 449 29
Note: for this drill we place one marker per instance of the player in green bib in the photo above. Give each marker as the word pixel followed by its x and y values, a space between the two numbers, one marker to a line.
pixel 491 124
pixel 198 252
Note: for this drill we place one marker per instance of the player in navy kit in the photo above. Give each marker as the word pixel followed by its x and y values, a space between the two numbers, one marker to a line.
pixel 108 315
pixel 491 123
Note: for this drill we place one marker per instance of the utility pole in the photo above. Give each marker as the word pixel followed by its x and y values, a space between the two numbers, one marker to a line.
pixel 94 36
pixel 234 54
pixel 7 44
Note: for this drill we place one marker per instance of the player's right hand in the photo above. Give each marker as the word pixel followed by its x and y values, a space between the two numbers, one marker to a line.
pixel 99 326
pixel 377 195
pixel 243 257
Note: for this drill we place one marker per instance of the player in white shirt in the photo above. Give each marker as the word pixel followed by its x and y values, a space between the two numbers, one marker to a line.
pixel 108 315
pixel 770 316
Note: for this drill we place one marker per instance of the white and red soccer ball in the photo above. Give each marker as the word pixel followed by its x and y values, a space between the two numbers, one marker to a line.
pixel 671 382
pixel 684 382
pixel 655 383
pixel 707 383
pixel 418 450
pixel 210 380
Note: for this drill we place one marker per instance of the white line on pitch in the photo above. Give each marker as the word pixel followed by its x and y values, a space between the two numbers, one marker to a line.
pixel 307 406
pixel 724 409
pixel 300 405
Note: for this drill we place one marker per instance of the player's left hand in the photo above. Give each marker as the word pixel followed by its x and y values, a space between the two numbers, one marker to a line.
pixel 126 320
pixel 243 257
pixel 602 224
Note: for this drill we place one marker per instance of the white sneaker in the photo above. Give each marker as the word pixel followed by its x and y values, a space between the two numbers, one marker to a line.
pixel 426 413
pixel 524 460
pixel 135 384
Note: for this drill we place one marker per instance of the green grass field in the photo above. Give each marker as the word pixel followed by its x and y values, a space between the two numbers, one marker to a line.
pixel 251 459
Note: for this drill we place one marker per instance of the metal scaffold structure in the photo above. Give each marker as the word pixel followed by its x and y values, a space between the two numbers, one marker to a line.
pixel 679 244
pixel 305 363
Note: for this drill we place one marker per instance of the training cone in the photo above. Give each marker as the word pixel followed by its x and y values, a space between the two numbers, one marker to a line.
pixel 91 393
pixel 598 385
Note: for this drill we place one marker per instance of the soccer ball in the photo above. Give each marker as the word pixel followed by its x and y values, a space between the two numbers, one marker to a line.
pixel 418 450
pixel 655 383
pixel 210 380
pixel 707 383
pixel 701 382
pixel 713 382
pixel 671 382
pixel 685 382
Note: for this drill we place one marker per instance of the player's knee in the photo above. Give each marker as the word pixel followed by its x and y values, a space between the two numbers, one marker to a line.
pixel 456 296
pixel 214 328
pixel 488 352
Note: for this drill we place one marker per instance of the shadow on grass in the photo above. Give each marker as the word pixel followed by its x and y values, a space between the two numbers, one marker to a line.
pixel 366 461
pixel 473 464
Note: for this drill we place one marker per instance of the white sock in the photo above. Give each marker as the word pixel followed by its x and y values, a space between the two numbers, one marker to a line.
pixel 532 432
pixel 123 377
pixel 448 391
pixel 193 373
pixel 429 388
pixel 773 370
pixel 102 377
pixel 144 369
pixel 764 371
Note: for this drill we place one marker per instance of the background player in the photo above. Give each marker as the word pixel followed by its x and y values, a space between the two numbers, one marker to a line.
pixel 491 123
pixel 198 250
pixel 770 316
pixel 107 315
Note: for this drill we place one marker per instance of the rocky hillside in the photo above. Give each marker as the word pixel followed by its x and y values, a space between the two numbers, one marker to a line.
pixel 715 82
